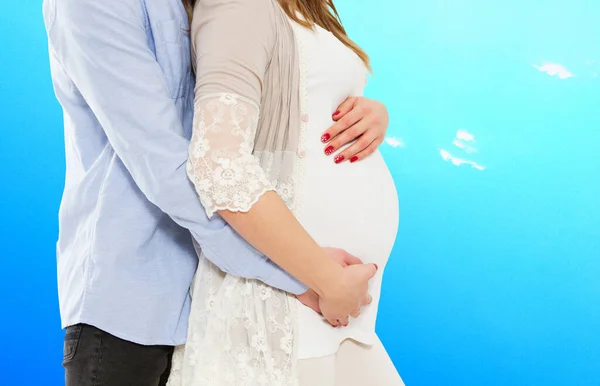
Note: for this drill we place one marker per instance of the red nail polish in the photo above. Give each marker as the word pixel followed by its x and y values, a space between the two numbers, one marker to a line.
pixel 354 159
pixel 329 150
pixel 376 267
pixel 338 158
pixel 336 113
pixel 325 137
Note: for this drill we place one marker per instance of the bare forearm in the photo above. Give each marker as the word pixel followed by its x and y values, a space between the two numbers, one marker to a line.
pixel 272 229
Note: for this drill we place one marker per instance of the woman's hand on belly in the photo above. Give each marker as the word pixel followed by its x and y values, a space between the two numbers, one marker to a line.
pixel 358 119
pixel 311 299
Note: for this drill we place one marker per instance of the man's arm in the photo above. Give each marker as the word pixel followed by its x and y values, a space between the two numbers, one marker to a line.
pixel 103 47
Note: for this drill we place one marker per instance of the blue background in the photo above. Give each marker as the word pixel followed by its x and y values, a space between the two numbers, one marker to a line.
pixel 494 142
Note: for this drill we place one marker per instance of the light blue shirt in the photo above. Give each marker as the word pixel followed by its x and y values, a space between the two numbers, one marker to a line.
pixel 122 73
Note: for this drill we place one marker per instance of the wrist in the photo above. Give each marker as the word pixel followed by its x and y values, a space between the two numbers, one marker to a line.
pixel 328 279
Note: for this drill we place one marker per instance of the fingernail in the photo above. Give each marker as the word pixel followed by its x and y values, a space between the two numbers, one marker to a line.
pixel 338 158
pixel 325 137
pixel 336 113
pixel 329 150
pixel 376 267
pixel 354 159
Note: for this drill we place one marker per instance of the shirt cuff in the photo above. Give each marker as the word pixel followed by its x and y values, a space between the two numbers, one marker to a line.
pixel 283 280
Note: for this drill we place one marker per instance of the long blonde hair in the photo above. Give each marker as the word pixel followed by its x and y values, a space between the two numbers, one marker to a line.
pixel 315 12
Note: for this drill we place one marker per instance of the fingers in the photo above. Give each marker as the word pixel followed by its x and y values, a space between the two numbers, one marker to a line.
pixel 344 108
pixel 313 306
pixel 342 125
pixel 369 270
pixel 357 133
pixel 357 119
pixel 364 146
pixel 366 151
pixel 367 300
pixel 350 259
pixel 333 322
pixel 353 295
pixel 343 322
pixel 310 299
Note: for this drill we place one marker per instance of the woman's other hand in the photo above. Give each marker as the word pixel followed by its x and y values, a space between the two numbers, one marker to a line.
pixel 331 306
pixel 357 119
pixel 310 298
pixel 347 294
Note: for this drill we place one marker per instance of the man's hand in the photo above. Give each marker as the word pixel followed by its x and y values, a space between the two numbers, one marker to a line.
pixel 310 298
pixel 361 119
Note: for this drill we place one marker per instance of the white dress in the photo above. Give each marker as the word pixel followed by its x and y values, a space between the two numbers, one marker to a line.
pixel 353 206
pixel 242 332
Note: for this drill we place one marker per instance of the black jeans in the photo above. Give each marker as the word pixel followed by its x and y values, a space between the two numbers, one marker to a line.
pixel 93 357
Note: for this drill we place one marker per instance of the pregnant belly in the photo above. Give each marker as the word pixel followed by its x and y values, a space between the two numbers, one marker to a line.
pixel 350 206
pixel 354 207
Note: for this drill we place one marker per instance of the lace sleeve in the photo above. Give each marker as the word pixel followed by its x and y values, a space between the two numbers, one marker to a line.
pixel 233 42
pixel 221 165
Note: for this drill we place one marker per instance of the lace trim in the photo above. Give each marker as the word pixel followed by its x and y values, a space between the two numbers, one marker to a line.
pixel 221 165
pixel 241 334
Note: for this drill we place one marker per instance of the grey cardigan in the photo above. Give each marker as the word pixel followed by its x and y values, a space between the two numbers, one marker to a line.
pixel 249 120
pixel 248 105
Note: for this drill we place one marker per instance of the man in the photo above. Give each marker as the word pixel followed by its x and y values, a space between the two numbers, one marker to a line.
pixel 121 71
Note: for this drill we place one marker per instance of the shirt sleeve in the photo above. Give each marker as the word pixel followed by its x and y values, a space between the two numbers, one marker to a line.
pixel 233 41
pixel 103 47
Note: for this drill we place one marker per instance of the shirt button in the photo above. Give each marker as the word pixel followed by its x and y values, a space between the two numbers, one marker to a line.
pixel 301 152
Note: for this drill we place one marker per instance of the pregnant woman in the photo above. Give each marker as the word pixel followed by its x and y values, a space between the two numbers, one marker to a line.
pixel 269 76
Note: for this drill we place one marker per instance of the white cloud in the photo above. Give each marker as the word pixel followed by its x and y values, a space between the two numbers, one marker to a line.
pixel 395 142
pixel 446 156
pixel 464 135
pixel 555 69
